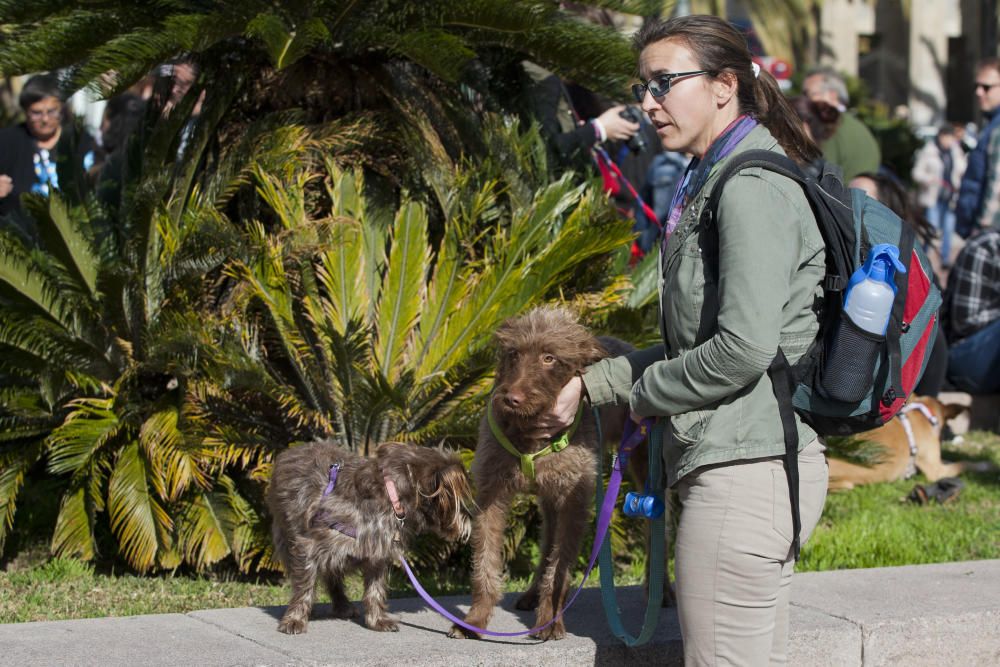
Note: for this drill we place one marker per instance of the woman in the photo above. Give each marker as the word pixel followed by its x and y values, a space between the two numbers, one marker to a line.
pixel 722 327
pixel 29 152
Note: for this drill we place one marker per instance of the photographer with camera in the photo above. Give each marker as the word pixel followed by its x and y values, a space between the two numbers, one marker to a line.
pixel 574 119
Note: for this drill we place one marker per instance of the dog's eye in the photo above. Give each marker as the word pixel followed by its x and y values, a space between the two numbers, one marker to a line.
pixel 548 359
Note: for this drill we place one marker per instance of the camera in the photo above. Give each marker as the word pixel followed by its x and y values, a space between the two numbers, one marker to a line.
pixel 642 505
pixel 636 143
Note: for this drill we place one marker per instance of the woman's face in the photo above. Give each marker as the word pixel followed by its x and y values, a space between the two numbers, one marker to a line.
pixel 686 118
pixel 44 118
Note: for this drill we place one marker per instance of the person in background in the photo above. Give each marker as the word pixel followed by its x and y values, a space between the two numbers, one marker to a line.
pixel 664 175
pixel 938 171
pixel 819 120
pixel 978 205
pixel 971 315
pixel 851 146
pixel 122 117
pixel 30 152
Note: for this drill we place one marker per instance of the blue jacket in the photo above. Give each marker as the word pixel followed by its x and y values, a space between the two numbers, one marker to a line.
pixel 970 195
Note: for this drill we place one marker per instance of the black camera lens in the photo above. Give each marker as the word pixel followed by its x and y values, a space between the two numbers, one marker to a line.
pixel 636 143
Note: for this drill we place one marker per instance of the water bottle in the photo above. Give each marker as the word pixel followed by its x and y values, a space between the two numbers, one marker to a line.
pixel 872 290
pixel 859 338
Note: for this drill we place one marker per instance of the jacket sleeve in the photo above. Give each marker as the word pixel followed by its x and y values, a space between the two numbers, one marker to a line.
pixel 760 242
pixel 610 381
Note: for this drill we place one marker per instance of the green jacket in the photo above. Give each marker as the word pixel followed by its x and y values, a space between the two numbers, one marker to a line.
pixel 853 147
pixel 722 321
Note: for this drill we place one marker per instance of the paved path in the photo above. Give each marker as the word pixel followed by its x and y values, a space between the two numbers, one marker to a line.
pixel 946 614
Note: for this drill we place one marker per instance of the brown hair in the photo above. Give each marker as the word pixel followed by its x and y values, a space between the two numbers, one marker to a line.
pixel 988 63
pixel 721 49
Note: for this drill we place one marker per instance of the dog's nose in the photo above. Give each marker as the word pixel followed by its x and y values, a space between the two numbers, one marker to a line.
pixel 513 399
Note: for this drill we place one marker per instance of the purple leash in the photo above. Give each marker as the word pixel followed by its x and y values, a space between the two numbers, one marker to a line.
pixel 634 434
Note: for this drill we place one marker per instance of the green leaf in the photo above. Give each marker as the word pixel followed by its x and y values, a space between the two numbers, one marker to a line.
pixel 13 467
pixel 206 527
pixel 403 288
pixel 74 535
pixel 87 428
pixel 287 45
pixel 138 521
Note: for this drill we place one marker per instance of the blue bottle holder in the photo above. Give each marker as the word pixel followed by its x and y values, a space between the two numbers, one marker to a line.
pixel 642 505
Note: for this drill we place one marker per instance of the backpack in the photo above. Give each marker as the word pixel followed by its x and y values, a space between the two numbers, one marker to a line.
pixel 849 380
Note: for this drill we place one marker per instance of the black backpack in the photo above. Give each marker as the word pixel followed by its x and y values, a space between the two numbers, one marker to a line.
pixel 849 380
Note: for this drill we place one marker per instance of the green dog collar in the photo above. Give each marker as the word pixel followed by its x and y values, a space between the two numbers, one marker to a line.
pixel 528 460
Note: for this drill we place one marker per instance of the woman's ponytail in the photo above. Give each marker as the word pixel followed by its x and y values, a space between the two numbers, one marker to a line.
pixel 776 113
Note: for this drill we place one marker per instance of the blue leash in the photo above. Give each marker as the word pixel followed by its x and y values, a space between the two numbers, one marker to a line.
pixel 654 486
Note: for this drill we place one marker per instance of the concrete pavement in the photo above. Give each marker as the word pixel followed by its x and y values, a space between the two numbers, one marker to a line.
pixel 915 615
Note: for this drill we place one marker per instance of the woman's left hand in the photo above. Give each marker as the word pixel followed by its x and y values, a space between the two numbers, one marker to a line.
pixel 563 413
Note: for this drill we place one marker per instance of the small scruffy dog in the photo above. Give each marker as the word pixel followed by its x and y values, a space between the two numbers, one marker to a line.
pixel 538 353
pixel 363 521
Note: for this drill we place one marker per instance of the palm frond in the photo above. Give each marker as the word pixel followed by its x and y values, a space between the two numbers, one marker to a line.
pixel 14 465
pixel 401 296
pixel 140 523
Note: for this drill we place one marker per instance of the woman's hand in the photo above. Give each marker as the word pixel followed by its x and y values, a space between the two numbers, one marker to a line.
pixel 563 413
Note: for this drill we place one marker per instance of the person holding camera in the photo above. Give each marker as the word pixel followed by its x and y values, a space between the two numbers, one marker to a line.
pixel 574 119
pixel 726 312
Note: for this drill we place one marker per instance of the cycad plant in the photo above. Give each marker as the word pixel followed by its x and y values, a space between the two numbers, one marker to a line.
pixel 100 331
pixel 365 331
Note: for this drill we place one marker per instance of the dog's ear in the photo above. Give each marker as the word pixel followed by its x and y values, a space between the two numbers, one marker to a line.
pixel 451 494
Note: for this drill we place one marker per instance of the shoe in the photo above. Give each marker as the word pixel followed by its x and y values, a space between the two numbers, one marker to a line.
pixel 943 491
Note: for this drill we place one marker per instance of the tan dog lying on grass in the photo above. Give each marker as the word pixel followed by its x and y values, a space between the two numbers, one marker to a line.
pixel 897 461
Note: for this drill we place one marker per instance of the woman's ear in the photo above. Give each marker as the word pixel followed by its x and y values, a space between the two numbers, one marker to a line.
pixel 724 87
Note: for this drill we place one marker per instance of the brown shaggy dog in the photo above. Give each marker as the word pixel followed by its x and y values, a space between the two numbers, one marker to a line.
pixel 312 531
pixel 538 353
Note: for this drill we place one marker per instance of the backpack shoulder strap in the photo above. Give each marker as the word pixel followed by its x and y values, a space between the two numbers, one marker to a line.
pixel 760 158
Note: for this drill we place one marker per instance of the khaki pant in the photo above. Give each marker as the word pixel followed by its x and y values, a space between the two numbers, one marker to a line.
pixel 733 556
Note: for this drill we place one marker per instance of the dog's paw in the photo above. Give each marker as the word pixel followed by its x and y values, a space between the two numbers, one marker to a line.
pixel 527 601
pixel 293 626
pixel 555 631
pixel 458 632
pixel 384 625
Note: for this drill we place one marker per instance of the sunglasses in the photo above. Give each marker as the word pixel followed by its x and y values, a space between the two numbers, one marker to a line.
pixel 659 85
pixel 44 113
pixel 986 86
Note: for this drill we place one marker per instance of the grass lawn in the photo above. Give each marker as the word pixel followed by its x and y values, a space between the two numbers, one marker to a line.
pixel 867 527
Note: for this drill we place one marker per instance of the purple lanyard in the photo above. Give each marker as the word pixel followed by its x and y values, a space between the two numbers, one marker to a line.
pixel 634 434
pixel 698 171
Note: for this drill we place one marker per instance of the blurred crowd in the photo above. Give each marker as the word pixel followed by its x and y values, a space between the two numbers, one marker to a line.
pixel 954 203
pixel 51 150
